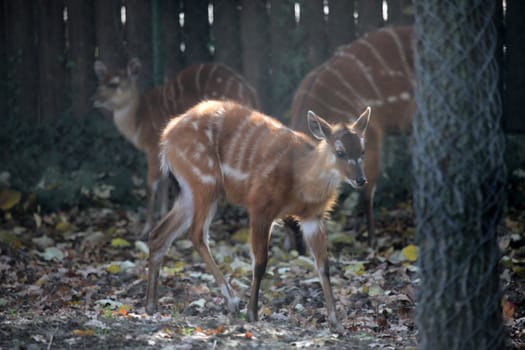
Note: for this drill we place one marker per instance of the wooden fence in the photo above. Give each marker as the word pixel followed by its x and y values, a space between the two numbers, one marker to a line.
pixel 48 47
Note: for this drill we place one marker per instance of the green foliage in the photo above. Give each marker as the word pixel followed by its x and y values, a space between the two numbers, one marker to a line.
pixel 64 160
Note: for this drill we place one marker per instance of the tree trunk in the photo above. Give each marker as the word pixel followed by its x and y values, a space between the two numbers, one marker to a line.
pixel 226 28
pixel 51 44
pixel 459 174
pixel 254 47
pixel 340 27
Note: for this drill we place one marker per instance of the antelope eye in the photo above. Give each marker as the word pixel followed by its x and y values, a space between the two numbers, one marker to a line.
pixel 340 154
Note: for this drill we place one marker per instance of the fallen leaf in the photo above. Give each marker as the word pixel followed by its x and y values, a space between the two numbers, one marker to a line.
pixel 119 243
pixel 38 220
pixel 141 246
pixel 410 252
pixel 52 253
pixel 241 235
pixel 9 198
pixel 63 226
pixel 113 268
pixel 83 332
pixel 508 308
pixel 354 269
pixel 43 242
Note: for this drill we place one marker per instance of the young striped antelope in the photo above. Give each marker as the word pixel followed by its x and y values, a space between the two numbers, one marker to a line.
pixel 141 117
pixel 375 70
pixel 223 150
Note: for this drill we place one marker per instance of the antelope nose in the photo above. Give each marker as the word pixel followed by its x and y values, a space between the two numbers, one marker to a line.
pixel 361 180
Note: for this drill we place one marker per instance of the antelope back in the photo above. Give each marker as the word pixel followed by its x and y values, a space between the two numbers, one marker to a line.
pixel 375 70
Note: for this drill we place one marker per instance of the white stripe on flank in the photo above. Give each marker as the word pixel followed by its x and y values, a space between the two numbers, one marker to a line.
pixel 275 161
pixel 211 76
pixel 197 78
pixel 377 55
pixel 232 147
pixel 236 174
pixel 203 178
pixel 402 52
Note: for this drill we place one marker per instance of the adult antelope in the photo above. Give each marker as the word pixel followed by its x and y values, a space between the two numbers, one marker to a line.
pixel 223 150
pixel 375 70
pixel 141 117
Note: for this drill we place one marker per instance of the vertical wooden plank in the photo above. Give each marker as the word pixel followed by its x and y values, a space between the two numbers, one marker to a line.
pixel 340 26
pixel 22 77
pixel 51 46
pixel 370 16
pixel 196 31
pixel 225 32
pixel 400 12
pixel 110 32
pixel 514 118
pixel 172 58
pixel 282 23
pixel 81 32
pixel 313 24
pixel 138 38
pixel 254 47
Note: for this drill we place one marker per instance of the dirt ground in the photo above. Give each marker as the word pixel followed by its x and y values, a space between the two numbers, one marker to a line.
pixel 76 280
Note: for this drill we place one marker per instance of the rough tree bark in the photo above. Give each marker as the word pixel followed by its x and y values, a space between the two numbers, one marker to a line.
pixel 459 174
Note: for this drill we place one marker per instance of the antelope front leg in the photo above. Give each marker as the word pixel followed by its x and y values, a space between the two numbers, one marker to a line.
pixel 315 237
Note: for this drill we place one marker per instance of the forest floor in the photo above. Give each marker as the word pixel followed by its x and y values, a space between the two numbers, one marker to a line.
pixel 76 280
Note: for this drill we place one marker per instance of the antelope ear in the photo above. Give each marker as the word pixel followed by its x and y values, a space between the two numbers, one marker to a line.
pixel 360 125
pixel 319 128
pixel 134 67
pixel 101 70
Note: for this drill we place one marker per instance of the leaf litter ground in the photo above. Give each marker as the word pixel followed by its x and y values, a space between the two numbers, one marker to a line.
pixel 76 279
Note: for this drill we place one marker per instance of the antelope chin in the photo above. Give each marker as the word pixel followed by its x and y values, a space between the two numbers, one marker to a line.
pixel 353 183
